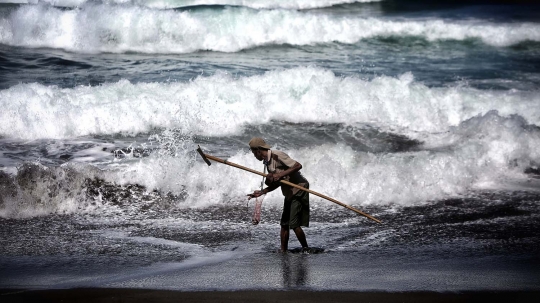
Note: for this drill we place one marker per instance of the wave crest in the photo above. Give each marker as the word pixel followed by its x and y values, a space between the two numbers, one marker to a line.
pixel 119 29
pixel 484 152
pixel 168 4
pixel 221 105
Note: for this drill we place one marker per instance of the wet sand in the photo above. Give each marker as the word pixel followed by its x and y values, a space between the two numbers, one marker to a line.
pixel 145 295
pixel 235 272
pixel 268 277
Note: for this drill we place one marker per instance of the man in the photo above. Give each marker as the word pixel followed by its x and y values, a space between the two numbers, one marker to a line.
pixel 296 206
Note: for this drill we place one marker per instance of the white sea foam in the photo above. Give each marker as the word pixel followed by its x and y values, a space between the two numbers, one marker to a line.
pixel 166 4
pixel 482 152
pixel 118 29
pixel 196 248
pixel 221 105
pixel 36 190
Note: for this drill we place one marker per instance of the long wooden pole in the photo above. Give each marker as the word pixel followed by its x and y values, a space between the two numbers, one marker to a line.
pixel 206 157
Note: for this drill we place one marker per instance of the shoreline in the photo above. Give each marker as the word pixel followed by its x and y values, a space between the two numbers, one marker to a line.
pixel 153 295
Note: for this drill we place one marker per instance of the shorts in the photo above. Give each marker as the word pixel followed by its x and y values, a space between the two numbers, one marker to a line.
pixel 296 210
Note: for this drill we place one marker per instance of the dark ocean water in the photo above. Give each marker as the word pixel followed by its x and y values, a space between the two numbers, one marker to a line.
pixel 425 116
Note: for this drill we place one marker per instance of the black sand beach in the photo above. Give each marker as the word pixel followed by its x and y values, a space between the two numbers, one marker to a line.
pixel 416 264
pixel 238 276
pixel 143 295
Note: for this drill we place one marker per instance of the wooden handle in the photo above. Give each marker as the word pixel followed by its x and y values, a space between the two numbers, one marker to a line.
pixel 291 184
pixel 330 199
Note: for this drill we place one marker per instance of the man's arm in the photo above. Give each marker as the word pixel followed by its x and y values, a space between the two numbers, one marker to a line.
pixel 259 193
pixel 271 187
pixel 272 178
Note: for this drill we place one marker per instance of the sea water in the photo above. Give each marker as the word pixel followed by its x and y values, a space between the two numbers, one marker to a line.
pixel 424 116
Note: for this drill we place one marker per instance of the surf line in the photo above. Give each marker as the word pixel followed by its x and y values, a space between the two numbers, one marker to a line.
pixel 206 158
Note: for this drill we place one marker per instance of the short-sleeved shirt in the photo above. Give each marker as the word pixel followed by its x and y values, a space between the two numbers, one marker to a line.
pixel 280 161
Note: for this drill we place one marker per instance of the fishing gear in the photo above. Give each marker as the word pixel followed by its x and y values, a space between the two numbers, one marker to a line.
pixel 206 158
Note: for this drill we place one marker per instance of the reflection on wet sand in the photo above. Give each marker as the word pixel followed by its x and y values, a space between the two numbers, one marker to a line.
pixel 294 269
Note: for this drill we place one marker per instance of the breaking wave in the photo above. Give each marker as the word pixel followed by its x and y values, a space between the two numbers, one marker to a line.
pixel 118 29
pixel 167 4
pixel 484 152
pixel 222 105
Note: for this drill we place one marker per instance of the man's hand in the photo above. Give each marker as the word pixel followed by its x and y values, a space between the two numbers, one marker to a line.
pixel 255 194
pixel 271 178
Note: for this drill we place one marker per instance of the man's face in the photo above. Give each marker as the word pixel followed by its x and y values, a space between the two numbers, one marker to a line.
pixel 257 153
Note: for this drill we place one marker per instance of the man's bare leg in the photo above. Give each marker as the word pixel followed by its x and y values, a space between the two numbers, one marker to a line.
pixel 284 238
pixel 301 236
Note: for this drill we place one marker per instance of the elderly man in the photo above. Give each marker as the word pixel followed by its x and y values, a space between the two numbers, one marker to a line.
pixel 296 206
